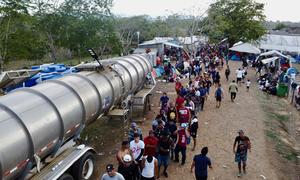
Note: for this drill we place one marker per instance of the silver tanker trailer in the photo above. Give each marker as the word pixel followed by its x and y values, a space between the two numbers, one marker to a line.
pixel 39 125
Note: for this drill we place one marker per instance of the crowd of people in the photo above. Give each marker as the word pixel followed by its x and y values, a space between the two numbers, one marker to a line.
pixel 176 124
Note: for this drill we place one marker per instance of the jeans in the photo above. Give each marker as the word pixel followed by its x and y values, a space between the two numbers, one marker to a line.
pixel 181 149
pixel 163 160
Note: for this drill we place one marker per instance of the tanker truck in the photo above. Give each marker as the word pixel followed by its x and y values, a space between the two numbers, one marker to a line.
pixel 39 126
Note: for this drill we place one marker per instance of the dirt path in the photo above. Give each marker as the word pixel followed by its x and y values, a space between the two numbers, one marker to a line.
pixel 218 128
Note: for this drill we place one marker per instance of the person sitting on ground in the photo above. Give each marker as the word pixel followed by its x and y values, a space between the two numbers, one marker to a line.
pixel 129 170
pixel 134 129
pixel 111 174
pixel 124 150
pixel 150 144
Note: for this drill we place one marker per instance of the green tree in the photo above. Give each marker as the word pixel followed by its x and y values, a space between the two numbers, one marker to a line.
pixel 237 20
pixel 18 33
pixel 279 26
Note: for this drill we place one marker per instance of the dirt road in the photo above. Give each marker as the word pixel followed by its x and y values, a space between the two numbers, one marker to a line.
pixel 218 128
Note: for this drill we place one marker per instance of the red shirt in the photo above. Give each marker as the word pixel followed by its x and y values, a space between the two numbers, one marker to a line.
pixel 183 115
pixel 182 138
pixel 150 141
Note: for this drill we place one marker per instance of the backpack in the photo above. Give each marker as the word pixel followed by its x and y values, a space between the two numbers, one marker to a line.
pixel 219 92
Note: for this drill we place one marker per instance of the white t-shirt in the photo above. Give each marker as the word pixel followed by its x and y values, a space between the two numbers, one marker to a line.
pixel 118 176
pixel 239 73
pixel 248 83
pixel 136 148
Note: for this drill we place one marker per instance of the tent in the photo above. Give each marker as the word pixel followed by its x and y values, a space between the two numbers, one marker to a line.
pixel 289 43
pixel 269 60
pixel 273 53
pixel 245 48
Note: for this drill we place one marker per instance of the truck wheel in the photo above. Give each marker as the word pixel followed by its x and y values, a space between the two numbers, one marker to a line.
pixel 84 167
pixel 66 176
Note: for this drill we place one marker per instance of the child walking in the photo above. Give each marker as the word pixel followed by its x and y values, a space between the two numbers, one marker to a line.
pixel 248 83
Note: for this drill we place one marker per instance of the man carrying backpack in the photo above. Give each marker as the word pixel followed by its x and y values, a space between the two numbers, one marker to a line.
pixel 219 95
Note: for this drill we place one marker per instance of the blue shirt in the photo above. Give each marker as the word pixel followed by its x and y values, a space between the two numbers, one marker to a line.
pixel 164 99
pixel 201 164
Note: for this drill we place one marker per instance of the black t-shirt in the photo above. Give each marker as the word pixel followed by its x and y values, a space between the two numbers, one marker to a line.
pixel 172 128
pixel 242 144
pixel 129 173
pixel 166 145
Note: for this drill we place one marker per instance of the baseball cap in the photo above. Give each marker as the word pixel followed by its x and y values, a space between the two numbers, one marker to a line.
pixel 127 158
pixel 109 167
pixel 133 124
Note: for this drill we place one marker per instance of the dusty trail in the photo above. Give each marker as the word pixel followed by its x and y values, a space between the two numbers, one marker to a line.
pixel 218 128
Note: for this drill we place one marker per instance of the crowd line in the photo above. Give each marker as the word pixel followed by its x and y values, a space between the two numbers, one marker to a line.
pixel 176 124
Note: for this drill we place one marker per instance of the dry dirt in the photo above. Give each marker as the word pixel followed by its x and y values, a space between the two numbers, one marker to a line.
pixel 217 130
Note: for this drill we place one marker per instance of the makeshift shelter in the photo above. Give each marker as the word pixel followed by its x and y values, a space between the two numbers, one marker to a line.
pixel 287 43
pixel 245 48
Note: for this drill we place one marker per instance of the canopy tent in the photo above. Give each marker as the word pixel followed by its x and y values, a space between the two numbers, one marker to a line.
pixel 273 53
pixel 269 60
pixel 157 42
pixel 280 43
pixel 245 48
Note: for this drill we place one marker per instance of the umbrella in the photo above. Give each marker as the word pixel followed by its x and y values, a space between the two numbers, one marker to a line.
pixel 246 48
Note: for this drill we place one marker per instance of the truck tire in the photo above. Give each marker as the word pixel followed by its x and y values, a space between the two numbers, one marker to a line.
pixel 84 167
pixel 66 176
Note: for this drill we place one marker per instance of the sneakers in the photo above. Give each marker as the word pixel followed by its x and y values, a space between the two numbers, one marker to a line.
pixel 239 175
pixel 165 174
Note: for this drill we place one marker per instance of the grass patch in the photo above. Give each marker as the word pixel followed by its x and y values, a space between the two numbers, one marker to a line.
pixel 275 120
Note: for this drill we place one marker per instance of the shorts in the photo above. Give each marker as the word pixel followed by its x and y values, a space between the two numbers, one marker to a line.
pixel 238 79
pixel 193 134
pixel 240 157
pixel 248 87
pixel 219 98
pixel 163 160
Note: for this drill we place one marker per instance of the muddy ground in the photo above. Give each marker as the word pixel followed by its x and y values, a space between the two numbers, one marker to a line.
pixel 271 123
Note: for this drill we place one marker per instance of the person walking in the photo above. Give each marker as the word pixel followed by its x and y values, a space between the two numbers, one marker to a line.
pixel 219 95
pixel 181 143
pixel 150 144
pixel 233 89
pixel 111 174
pixel 241 146
pixel 227 73
pixel 239 75
pixel 200 163
pixel 248 83
pixel 129 169
pixel 123 151
pixel 137 148
pixel 164 147
pixel 193 130
pixel 149 168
